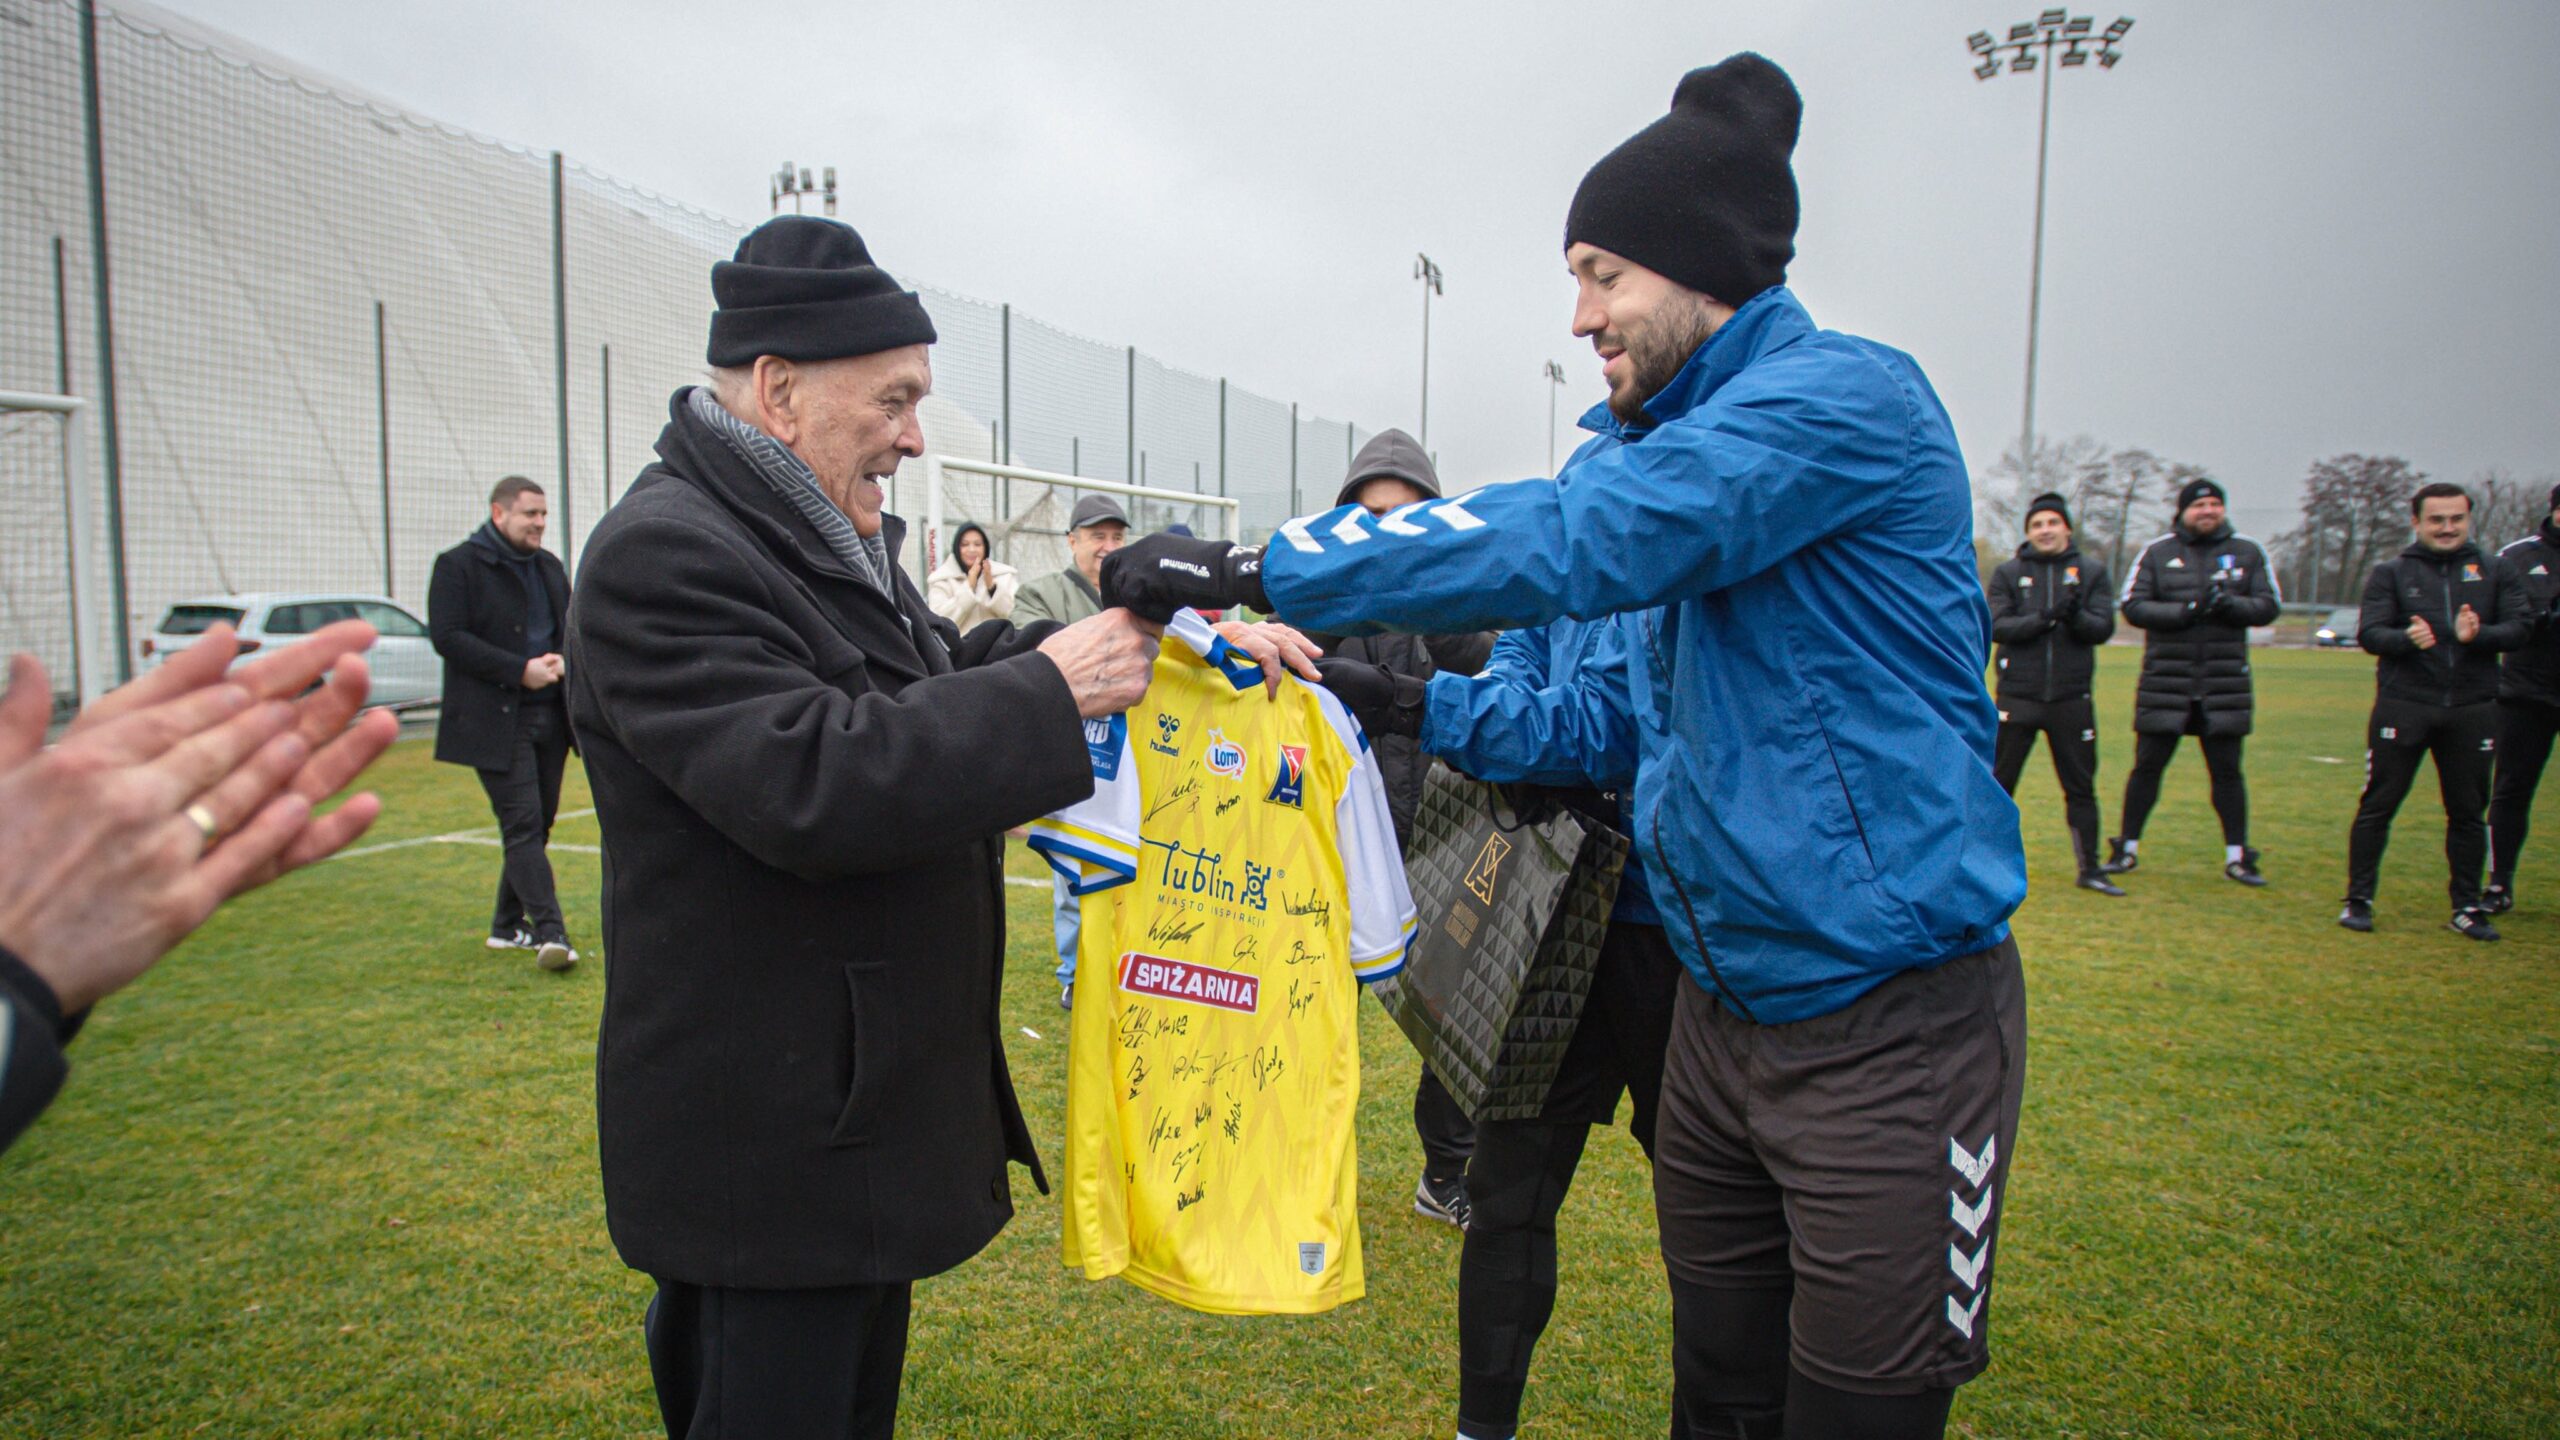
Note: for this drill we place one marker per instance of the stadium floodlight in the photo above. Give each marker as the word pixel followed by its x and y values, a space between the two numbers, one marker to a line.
pixel 1555 381
pixel 2032 45
pixel 1429 274
pixel 799 183
pixel 830 191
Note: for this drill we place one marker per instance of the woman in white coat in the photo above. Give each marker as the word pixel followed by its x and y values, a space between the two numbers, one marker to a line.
pixel 971 587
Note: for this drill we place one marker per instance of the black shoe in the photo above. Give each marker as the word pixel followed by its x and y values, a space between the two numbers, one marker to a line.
pixel 1443 1200
pixel 2496 900
pixel 2245 869
pixel 2121 859
pixel 2472 925
pixel 1067 996
pixel 2358 916
pixel 2097 880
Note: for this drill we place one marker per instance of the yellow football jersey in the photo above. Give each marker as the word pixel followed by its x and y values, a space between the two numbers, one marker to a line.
pixel 1238 880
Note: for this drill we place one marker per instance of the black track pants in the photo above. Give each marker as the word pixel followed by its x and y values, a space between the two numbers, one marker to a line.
pixel 2221 761
pixel 1730 1360
pixel 1447 1135
pixel 2071 729
pixel 2400 734
pixel 2525 732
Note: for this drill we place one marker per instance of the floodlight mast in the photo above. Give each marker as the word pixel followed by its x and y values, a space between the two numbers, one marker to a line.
pixel 2031 45
pixel 1429 275
pixel 799 184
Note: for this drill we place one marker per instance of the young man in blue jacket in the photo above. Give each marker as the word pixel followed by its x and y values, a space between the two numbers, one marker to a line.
pixel 1805 720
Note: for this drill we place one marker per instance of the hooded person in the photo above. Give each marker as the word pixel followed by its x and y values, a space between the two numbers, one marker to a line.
pixel 2051 608
pixel 2195 592
pixel 1782 517
pixel 804 778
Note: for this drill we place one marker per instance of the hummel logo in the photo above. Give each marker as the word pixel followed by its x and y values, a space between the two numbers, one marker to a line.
pixel 1968 1271
pixel 2175 563
pixel 1969 1218
pixel 1963 1316
pixel 1974 1169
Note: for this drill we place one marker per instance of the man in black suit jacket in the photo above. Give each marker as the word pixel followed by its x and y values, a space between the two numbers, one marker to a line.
pixel 497 608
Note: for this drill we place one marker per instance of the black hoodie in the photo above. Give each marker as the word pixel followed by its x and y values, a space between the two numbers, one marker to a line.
pixel 2532 670
pixel 2049 613
pixel 2420 583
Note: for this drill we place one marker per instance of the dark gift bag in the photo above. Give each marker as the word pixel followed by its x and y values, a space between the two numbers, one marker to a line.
pixel 1511 901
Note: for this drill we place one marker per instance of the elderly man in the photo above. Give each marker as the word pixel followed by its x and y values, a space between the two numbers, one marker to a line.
pixel 1096 528
pixel 1785 511
pixel 804 779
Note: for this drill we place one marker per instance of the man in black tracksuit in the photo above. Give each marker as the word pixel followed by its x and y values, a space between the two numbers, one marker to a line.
pixel 2437 615
pixel 2196 590
pixel 2528 706
pixel 1391 471
pixel 2050 610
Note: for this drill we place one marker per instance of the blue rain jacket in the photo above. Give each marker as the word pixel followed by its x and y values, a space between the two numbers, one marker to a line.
pixel 1497 724
pixel 1804 707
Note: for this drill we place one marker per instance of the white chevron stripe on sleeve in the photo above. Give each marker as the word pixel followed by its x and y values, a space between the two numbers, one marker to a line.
pixel 1295 532
pixel 1349 531
pixel 1969 1217
pixel 1394 523
pixel 1456 516
pixel 1968 1270
pixel 1975 1169
pixel 1963 1316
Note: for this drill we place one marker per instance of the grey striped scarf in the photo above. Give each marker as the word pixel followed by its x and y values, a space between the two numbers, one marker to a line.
pixel 787 473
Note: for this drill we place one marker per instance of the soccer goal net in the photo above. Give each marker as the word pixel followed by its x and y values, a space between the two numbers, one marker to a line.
pixel 1026 512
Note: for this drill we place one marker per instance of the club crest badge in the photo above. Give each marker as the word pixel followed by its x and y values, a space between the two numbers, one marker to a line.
pixel 1289 784
pixel 2470 572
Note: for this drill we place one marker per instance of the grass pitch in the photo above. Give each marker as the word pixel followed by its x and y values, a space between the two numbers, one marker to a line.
pixel 330 1172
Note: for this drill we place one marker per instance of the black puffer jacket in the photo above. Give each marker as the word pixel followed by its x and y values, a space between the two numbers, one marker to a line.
pixel 2418 583
pixel 1401 762
pixel 2049 613
pixel 2197 596
pixel 2532 671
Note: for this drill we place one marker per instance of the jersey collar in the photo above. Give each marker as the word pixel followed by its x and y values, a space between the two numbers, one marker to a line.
pixel 1192 629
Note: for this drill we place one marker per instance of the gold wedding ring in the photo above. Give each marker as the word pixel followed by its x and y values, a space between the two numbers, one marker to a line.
pixel 203 820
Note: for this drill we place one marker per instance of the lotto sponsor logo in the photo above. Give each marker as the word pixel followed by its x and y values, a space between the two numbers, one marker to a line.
pixel 1164 979
pixel 1224 756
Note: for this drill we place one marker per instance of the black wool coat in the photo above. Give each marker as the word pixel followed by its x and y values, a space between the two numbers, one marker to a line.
pixel 475 619
pixel 2188 656
pixel 804 789
pixel 2049 613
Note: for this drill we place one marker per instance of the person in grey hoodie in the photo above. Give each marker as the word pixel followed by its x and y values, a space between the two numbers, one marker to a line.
pixel 1390 472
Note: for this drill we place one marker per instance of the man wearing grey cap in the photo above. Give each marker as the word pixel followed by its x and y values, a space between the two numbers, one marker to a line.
pixel 1097 528
pixel 804 778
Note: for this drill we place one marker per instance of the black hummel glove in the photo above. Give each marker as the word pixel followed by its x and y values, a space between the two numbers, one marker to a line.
pixel 1384 702
pixel 1160 574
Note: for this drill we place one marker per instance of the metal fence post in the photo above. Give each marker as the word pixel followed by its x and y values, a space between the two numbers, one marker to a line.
pixel 75 515
pixel 1131 454
pixel 606 433
pixel 1293 457
pixel 382 435
pixel 1222 435
pixel 111 441
pixel 560 358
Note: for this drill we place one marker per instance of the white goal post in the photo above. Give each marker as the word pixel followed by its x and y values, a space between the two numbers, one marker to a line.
pixel 1025 511
pixel 89 661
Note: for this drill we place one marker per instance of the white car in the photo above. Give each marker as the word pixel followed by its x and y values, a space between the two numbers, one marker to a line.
pixel 406 670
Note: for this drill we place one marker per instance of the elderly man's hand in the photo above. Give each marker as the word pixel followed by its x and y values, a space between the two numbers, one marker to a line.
pixel 1275 647
pixel 168 797
pixel 1107 659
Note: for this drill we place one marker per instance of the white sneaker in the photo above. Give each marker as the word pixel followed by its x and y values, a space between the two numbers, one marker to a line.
pixel 518 939
pixel 555 955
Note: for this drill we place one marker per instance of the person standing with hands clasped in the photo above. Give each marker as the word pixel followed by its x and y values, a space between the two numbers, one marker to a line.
pixel 2197 590
pixel 2050 610
pixel 971 586
pixel 2436 615
pixel 496 607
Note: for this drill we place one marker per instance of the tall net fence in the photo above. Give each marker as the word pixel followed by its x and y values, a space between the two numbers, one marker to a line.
pixel 336 324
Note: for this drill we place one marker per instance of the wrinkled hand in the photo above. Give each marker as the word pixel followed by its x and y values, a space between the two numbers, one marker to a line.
pixel 1277 648
pixel 102 866
pixel 1384 702
pixel 2421 634
pixel 1107 659
pixel 2466 625
pixel 544 671
pixel 1159 574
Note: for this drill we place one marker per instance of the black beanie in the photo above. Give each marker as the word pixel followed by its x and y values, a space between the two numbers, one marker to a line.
pixel 2048 501
pixel 804 288
pixel 1705 195
pixel 2197 489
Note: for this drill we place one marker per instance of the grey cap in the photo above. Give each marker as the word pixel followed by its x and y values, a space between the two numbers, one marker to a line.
pixel 1094 510
pixel 1391 455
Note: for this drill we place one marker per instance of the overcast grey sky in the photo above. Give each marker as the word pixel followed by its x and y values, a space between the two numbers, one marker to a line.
pixel 2277 231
